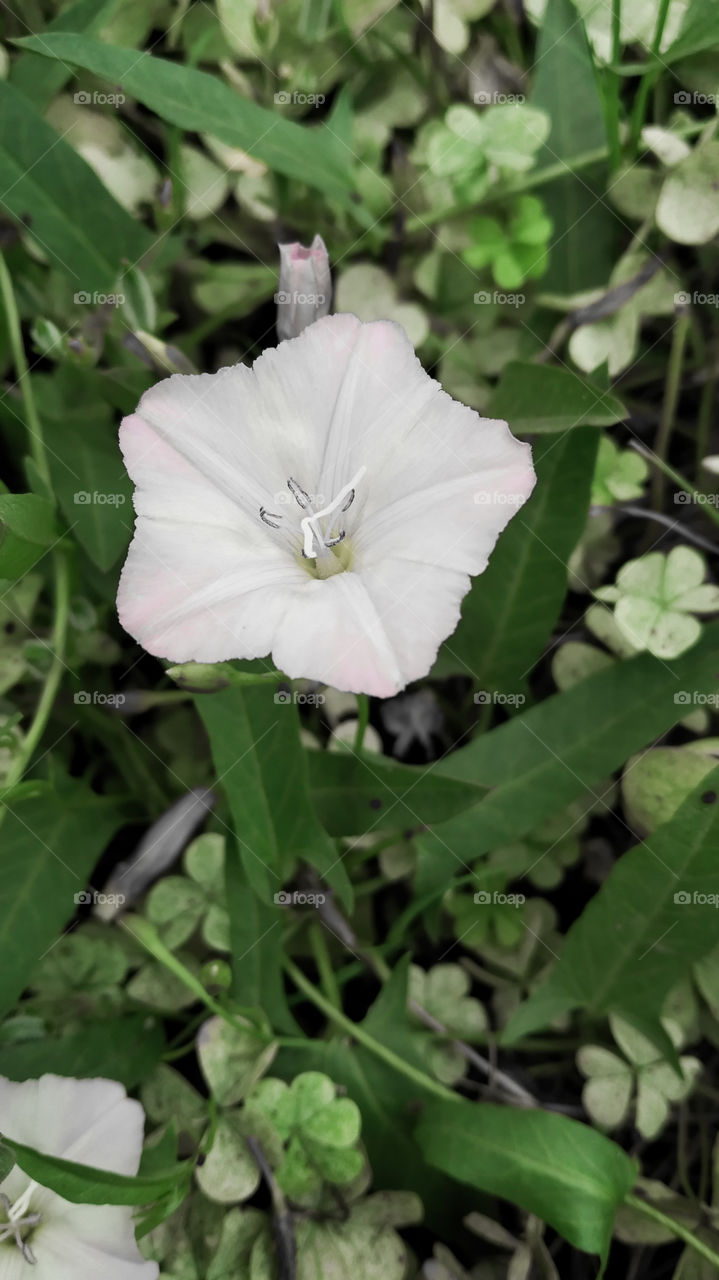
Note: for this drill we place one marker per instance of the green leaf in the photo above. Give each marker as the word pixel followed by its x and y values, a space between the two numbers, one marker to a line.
pixel 566 1173
pixel 199 102
pixel 353 794
pixel 231 1059
pixel 699 30
pixel 544 398
pixel 645 928
pixel 262 766
pixel 50 845
pixel 39 82
pixel 565 86
pixel 30 517
pixel 509 614
pixel 687 209
pixel 124 1049
pixel 84 1184
pixel 542 760
pixel 50 189
pixel 94 492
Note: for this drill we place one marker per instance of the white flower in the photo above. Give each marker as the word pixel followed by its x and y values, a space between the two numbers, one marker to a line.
pixel 43 1236
pixel 326 506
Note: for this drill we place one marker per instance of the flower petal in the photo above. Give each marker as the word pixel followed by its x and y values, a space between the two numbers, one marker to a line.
pixel 96 1241
pixel 89 1121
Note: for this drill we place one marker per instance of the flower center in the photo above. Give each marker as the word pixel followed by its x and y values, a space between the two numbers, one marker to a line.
pixel 20 1224
pixel 319 539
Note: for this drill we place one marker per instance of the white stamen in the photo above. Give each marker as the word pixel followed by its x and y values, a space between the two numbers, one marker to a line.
pixel 22 1204
pixel 310 533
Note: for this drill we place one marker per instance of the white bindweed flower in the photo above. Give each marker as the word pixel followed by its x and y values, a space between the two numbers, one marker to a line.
pixel 43 1236
pixel 326 506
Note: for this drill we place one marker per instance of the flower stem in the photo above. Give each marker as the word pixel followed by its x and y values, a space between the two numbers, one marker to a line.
pixel 362 721
pixel 59 561
pixel 320 952
pixel 649 77
pixel 612 87
pixel 680 1231
pixel 669 406
pixel 364 1038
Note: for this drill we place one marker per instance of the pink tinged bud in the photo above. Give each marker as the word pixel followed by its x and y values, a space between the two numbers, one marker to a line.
pixel 305 290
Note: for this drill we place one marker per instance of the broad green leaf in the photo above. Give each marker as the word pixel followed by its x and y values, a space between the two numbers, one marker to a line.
pixel 93 490
pixel 36 79
pixel 199 102
pixel 355 795
pixel 544 398
pixel 84 1184
pixel 255 743
pixel 50 190
pixel 255 940
pixel 542 760
pixel 512 607
pixel 652 919
pixel 50 845
pixel 125 1049
pixel 699 30
pixel 565 86
pixel 564 1172
pixel 30 517
pixel 231 1060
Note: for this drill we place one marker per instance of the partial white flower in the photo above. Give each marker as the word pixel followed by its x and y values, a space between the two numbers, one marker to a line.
pixel 42 1235
pixel 416 717
pixel 305 289
pixel 326 506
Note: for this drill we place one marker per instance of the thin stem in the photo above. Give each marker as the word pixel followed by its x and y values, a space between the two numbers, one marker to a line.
pixel 364 1038
pixel 669 405
pixel 649 77
pixel 34 425
pixel 318 942
pixel 681 481
pixel 60 566
pixel 613 83
pixel 53 677
pixel 362 721
pixel 680 1231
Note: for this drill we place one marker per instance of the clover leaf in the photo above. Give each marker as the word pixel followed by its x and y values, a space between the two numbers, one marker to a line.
pixel 655 598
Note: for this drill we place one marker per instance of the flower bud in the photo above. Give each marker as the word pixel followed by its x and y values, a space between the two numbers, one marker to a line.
pixel 305 291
